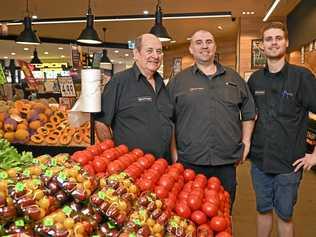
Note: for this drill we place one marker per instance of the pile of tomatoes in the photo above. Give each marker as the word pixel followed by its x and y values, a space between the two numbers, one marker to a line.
pixel 184 192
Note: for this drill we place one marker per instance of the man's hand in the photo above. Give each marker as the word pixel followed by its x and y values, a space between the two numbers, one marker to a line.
pixel 245 153
pixel 307 162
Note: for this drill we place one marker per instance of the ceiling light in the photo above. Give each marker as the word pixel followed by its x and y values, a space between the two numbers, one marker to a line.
pixel 146 12
pixel 116 51
pixel 248 13
pixel 35 59
pixel 243 13
pixel 158 29
pixel 271 9
pixel 220 27
pixel 252 13
pixel 105 62
pixel 126 55
pixel 26 49
pixel 5 57
pixel 112 60
pixel 45 52
pixel 60 48
pixel 34 17
pixel 27 36
pixel 173 41
pixel 120 62
pixel 89 35
pixel 62 56
pixel 13 53
pixel 189 38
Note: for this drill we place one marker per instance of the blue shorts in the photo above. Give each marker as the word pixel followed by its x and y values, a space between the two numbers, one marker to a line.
pixel 276 191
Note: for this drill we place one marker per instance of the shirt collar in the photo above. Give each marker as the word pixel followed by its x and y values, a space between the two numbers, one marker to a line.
pixel 138 73
pixel 282 72
pixel 219 69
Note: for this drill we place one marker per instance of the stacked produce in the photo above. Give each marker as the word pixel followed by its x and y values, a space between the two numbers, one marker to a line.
pixel 133 194
pixel 36 122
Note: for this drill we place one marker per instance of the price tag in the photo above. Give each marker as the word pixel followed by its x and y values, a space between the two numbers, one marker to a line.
pixel 67 210
pixel 67 87
pixel 19 187
pixel 101 195
pixel 19 223
pixel 48 173
pixel 48 222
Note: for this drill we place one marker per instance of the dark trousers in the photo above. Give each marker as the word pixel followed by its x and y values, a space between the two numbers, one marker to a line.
pixel 226 173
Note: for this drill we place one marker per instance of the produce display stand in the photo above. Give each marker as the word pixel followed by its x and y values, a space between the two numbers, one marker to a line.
pixel 39 150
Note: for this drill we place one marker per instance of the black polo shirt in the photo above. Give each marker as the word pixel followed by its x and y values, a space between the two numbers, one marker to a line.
pixel 207 115
pixel 138 115
pixel 283 100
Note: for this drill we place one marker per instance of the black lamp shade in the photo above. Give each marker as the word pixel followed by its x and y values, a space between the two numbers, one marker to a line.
pixel 158 29
pixel 105 62
pixel 28 36
pixel 35 59
pixel 89 35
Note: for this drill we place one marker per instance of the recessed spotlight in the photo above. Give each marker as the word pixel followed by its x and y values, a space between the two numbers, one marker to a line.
pixel 220 27
pixel 45 52
pixel 248 13
pixel 31 56
pixel 172 41
pixel 116 51
pixel 60 48
pixel 120 62
pixel 62 56
pixel 243 13
pixel 252 13
pixel 126 55
pixel 13 53
pixel 5 57
pixel 189 38
pixel 26 49
pixel 146 12
pixel 34 17
pixel 112 61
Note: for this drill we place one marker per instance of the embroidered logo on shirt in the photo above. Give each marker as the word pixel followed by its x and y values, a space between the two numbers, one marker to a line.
pixel 230 84
pixel 196 89
pixel 144 99
pixel 261 92
pixel 287 94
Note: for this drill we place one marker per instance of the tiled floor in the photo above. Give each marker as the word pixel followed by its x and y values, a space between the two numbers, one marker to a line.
pixel 244 216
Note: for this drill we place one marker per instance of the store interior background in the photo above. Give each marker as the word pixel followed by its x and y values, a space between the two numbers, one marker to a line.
pixel 233 44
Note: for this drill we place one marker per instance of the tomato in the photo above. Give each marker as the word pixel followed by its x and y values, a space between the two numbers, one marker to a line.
pixel 161 192
pixel 138 152
pixel 83 160
pixel 188 175
pixel 204 231
pixel 99 165
pixel 183 195
pixel 145 163
pixel 170 204
pixel 94 149
pixel 218 223
pixel 179 167
pixel 166 181
pixel 214 179
pixel 114 167
pixel 201 179
pixel 109 143
pixel 123 149
pixel 89 169
pixel 188 186
pixel 194 202
pixel 214 199
pixel 209 209
pixel 162 162
pixel 223 234
pixel 174 172
pixel 198 217
pixel 150 157
pixel 183 210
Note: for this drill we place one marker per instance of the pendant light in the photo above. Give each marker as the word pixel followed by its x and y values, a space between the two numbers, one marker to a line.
pixel 35 59
pixel 158 29
pixel 105 62
pixel 27 36
pixel 89 34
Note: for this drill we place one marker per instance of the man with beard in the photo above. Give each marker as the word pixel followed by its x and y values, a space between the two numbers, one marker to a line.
pixel 213 113
pixel 136 109
pixel 284 94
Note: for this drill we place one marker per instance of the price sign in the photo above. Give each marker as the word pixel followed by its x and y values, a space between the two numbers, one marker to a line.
pixel 67 87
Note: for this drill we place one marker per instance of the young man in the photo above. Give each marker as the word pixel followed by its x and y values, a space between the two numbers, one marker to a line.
pixel 214 114
pixel 136 109
pixel 283 94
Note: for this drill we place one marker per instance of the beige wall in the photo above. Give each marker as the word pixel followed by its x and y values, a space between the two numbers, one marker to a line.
pixel 309 59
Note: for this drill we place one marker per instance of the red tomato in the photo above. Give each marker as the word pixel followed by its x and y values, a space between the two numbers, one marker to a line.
pixel 214 179
pixel 218 223
pixel 94 149
pixel 223 234
pixel 150 157
pixel 204 231
pixel 83 160
pixel 89 169
pixel 138 152
pixel 201 178
pixel 209 209
pixel 194 202
pixel 101 174
pixel 99 165
pixel 188 175
pixel 174 172
pixel 162 162
pixel 183 210
pixel 114 168
pixel 108 142
pixel 144 162
pixel 166 181
pixel 198 217
pixel 183 195
pixel 123 149
pixel 179 167
pixel 214 199
pixel 161 192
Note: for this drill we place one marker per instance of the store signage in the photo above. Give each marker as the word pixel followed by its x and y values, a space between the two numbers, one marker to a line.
pixel 66 86
pixel 29 77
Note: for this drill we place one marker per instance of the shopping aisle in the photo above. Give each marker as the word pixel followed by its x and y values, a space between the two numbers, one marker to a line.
pixel 245 215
